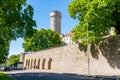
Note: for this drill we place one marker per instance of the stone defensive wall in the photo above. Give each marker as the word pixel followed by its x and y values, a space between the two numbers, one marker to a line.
pixel 96 59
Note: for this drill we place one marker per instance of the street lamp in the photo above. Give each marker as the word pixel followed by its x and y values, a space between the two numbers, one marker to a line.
pixel 88 46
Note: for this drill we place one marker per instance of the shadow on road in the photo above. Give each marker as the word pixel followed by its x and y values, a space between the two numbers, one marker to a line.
pixel 55 76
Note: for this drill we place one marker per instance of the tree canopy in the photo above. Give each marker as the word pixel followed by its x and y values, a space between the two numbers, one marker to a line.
pixel 41 39
pixel 96 18
pixel 12 60
pixel 16 20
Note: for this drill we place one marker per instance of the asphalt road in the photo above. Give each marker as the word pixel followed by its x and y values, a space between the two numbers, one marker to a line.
pixel 55 76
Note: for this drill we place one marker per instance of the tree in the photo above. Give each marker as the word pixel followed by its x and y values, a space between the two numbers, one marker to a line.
pixel 12 60
pixel 16 20
pixel 96 18
pixel 41 39
pixel 3 50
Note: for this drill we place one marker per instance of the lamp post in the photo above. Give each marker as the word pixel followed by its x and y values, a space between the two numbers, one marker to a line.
pixel 88 51
pixel 88 45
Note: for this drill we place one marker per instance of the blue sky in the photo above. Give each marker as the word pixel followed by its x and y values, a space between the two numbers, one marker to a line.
pixel 42 9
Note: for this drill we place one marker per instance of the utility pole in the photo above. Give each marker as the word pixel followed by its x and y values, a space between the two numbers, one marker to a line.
pixel 88 45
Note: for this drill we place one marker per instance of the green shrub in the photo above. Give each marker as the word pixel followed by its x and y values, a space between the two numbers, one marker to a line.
pixel 3 76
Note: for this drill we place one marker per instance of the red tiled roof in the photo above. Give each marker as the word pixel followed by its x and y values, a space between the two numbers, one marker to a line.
pixel 69 34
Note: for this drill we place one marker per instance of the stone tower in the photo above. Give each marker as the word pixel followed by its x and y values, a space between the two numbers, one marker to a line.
pixel 55 21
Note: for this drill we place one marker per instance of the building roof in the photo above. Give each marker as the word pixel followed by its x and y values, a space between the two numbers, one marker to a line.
pixel 69 34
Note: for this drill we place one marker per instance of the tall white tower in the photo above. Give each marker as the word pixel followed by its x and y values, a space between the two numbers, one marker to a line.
pixel 55 21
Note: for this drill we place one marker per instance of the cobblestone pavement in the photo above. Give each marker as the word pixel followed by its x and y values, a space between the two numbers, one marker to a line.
pixel 32 75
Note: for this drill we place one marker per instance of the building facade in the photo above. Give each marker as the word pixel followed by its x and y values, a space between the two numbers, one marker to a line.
pixel 67 39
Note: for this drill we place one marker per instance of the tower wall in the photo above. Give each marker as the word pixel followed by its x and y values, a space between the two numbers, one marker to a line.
pixel 55 21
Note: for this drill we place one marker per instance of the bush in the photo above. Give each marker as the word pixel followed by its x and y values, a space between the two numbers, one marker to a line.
pixel 3 76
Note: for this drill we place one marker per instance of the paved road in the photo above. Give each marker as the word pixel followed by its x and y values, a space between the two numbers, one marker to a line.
pixel 54 76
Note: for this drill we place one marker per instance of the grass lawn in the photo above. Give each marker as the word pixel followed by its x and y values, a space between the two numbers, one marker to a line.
pixel 3 76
